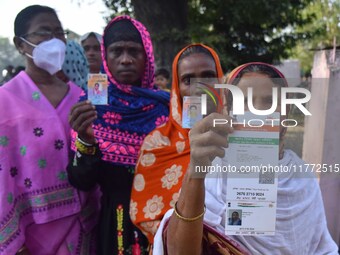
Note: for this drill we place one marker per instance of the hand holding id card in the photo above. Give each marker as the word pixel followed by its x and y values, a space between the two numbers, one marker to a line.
pixel 204 99
pixel 97 89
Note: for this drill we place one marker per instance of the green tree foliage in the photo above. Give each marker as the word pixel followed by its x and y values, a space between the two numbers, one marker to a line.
pixel 240 30
pixel 325 28
pixel 8 55
pixel 167 22
pixel 119 7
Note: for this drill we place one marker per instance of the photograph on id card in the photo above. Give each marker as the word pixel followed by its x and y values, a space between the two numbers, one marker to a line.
pixel 97 89
pixel 191 111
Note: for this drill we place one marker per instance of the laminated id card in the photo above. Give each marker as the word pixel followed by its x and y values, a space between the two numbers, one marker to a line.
pixel 191 111
pixel 97 88
pixel 253 153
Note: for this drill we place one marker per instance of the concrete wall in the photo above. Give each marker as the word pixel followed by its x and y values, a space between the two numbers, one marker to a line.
pixel 322 136
pixel 322 132
pixel 291 70
pixel 315 125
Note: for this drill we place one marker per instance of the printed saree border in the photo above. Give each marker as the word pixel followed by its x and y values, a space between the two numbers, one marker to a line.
pixel 33 202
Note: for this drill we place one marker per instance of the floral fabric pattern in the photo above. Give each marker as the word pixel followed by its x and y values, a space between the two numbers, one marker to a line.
pixel 112 118
pixel 133 210
pixel 153 207
pixel 139 182
pixel 155 140
pixel 171 176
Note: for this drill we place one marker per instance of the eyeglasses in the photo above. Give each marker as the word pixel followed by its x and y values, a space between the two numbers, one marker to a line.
pixel 47 35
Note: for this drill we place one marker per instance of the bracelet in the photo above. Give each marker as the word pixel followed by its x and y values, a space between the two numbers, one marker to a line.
pixel 84 143
pixel 83 149
pixel 185 218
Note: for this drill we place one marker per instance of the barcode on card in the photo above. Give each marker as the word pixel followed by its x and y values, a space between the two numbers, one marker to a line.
pixel 266 178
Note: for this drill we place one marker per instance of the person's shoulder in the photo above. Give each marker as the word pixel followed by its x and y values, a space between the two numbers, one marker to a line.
pixel 4 95
pixel 74 87
pixel 289 156
pixel 75 93
pixel 294 166
pixel 20 76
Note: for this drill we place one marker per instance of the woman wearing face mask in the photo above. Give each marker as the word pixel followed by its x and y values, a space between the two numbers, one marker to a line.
pixel 40 210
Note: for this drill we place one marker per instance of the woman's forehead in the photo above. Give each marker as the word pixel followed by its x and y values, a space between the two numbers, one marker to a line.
pixel 45 21
pixel 256 80
pixel 196 62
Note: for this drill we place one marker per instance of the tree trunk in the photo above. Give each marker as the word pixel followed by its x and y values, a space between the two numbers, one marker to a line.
pixel 167 22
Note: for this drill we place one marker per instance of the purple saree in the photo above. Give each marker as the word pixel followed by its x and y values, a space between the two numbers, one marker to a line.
pixel 39 208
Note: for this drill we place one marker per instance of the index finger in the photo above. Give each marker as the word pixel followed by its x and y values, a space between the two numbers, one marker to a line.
pixel 216 122
pixel 80 104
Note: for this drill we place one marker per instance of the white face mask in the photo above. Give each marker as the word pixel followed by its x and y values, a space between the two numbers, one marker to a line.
pixel 48 55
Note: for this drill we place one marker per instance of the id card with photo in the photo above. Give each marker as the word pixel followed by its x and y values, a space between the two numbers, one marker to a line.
pixel 191 111
pixel 97 89
pixel 252 186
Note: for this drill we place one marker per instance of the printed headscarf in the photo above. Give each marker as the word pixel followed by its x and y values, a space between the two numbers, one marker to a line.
pixel 163 161
pixel 87 35
pixel 75 65
pixel 132 112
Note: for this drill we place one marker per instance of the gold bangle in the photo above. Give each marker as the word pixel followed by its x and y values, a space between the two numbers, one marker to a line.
pixel 185 218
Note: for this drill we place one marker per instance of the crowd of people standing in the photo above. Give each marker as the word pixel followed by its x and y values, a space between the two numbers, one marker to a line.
pixel 78 178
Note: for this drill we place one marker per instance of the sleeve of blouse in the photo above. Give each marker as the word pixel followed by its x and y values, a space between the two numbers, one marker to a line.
pixel 83 170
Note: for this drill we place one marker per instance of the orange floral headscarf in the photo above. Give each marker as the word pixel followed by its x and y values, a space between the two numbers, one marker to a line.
pixel 163 161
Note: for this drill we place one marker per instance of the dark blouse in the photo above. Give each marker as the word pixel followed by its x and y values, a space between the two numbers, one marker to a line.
pixel 116 232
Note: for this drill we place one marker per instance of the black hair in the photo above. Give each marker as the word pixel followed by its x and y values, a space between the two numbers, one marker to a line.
pixel 194 49
pixel 122 30
pixel 18 69
pixel 164 72
pixel 24 17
